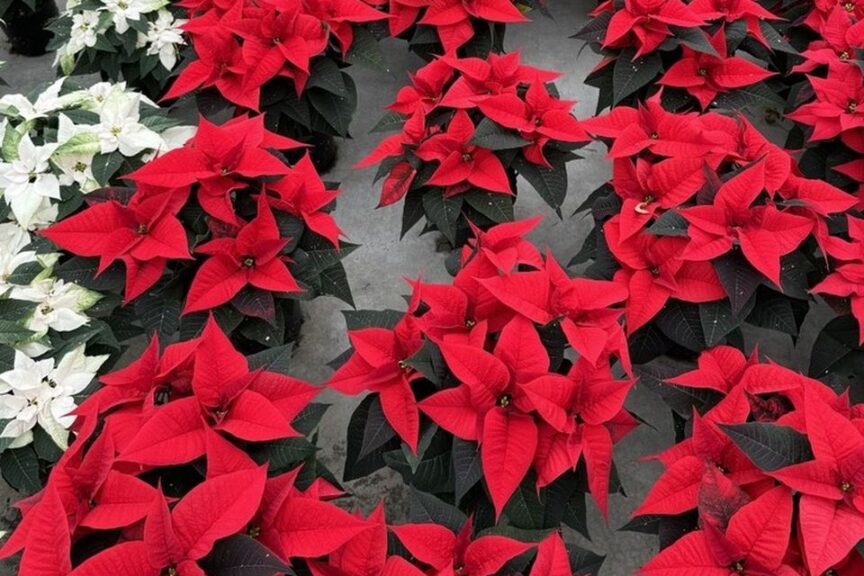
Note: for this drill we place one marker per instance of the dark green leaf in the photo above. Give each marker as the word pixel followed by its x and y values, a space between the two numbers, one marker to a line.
pixel 681 323
pixel 496 207
pixel 20 469
pixel 738 278
pixel 425 507
pixel 242 555
pixel 377 431
pixel 769 446
pixel 632 74
pixel 13 333
pixel 467 469
pixel 357 319
pixel 365 51
pixel 493 136
pixel 550 183
pixel 443 212
pixel 282 454
pixel 670 223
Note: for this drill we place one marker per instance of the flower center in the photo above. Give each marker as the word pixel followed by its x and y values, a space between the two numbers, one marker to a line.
pixel 79 167
pixel 849 6
pixel 538 121
pixel 170 571
pixel 702 72
pixel 248 262
pixel 46 309
pixel 722 469
pixel 737 567
pixel 846 487
pixel 277 40
pixel 469 323
pixel 654 136
pixel 141 229
pixel 116 130
pixel 642 207
pixel 844 56
pixel 655 271
pixel 466 157
pixel 51 383
pixel 852 107
pixel 224 172
pixel 122 5
pixel 254 531
pixel 504 401
pixel 162 396
pixel 32 178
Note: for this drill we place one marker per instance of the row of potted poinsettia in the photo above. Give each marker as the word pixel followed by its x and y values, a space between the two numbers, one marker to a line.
pixel 497 398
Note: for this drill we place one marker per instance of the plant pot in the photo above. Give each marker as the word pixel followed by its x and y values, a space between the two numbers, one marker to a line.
pixel 25 29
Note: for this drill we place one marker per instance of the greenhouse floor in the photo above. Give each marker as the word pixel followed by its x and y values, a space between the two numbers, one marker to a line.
pixel 377 269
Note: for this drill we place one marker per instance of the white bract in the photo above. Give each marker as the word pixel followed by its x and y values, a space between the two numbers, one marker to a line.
pixel 84 31
pixel 13 240
pixel 38 392
pixel 74 155
pixel 27 182
pixel 124 10
pixel 119 127
pixel 59 305
pixel 18 105
pixel 163 37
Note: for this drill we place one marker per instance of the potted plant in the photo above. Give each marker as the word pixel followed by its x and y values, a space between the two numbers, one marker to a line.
pixel 469 126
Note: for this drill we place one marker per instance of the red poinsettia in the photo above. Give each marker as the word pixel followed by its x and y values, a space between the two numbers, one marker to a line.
pixel 448 553
pixel 653 271
pixel 338 17
pixel 219 158
pixel 144 235
pixel 841 35
pixel 583 416
pixel 253 406
pixel 831 508
pixel 175 539
pixel 706 75
pixel 540 118
pixel 762 232
pixel 838 109
pixel 251 258
pixel 490 406
pixel 754 543
pixel 379 364
pixel 847 279
pixel 462 164
pixel 645 24
pixel 748 11
pixel 479 79
pixel 452 19
pixel 400 177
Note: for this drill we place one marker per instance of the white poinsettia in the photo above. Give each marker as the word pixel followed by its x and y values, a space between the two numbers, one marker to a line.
pixel 83 34
pixel 27 182
pixel 119 127
pixel 77 145
pixel 124 10
pixel 163 37
pixel 59 305
pixel 40 392
pixel 19 106
pixel 13 240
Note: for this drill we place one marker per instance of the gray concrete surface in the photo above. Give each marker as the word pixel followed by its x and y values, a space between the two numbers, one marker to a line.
pixel 377 269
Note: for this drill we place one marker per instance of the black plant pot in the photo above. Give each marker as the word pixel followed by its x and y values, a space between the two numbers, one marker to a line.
pixel 25 28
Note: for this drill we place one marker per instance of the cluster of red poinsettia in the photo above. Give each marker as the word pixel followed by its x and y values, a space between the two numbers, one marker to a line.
pixel 773 470
pixel 523 412
pixel 198 403
pixel 727 187
pixel 232 173
pixel 467 122
pixel 243 45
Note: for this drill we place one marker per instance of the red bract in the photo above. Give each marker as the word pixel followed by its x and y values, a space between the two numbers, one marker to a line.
pixel 446 553
pixel 644 24
pixel 748 11
pixel 847 279
pixel 176 539
pixel 539 118
pixel 583 416
pixel 754 544
pixel 480 79
pixel 705 75
pixel 838 109
pixel 452 18
pixel 831 508
pixel 219 158
pixel 840 37
pixel 490 405
pixel 462 164
pixel 763 232
pixel 653 271
pixel 251 258
pixel 379 364
pixel 144 235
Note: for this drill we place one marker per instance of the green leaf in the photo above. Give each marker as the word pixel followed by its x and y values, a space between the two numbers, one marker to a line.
pixel 325 74
pixel 45 446
pixel 695 39
pixel 496 207
pixel 493 136
pixel 242 555
pixel 389 122
pixel 356 467
pixel 837 340
pixel 377 431
pixel 423 508
pixel 12 333
pixel 467 469
pixel 584 562
pixel 670 223
pixel 412 211
pixel 86 143
pixel 775 39
pixel 308 419
pixel 524 509
pixel 11 139
pixel 759 95
pixel 365 51
pixel 105 166
pixel 357 319
pixel 550 183
pixel 334 281
pixel 20 469
pixel 443 212
pixel 337 111
pixel 718 320
pixel 158 313
pixel 282 454
pixel 631 74
pixel 682 324
pixel 769 446
pixel 595 30
pixel 775 312
pixel 738 278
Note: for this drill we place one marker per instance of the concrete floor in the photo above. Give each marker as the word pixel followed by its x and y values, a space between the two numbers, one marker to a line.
pixel 376 270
